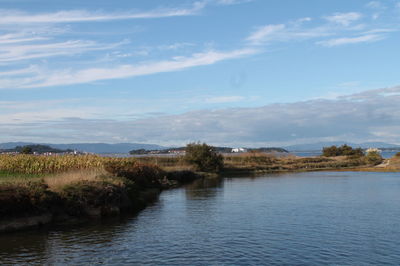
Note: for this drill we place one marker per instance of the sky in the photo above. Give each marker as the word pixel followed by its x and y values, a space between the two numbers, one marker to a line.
pixel 226 72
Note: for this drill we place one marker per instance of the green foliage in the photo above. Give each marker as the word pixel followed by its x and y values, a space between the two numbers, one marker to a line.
pixel 143 175
pixel 18 199
pixel 397 154
pixel 79 196
pixel 26 150
pixel 343 150
pixel 374 157
pixel 31 164
pixel 204 157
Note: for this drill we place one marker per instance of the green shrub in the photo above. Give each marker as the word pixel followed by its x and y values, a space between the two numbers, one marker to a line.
pixel 397 154
pixel 343 150
pixel 77 197
pixel 204 157
pixel 20 199
pixel 374 157
pixel 143 175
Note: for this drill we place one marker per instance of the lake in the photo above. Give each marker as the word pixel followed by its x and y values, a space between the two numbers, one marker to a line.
pixel 344 218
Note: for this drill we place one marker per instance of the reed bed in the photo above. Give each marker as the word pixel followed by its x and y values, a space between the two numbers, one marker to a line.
pixel 33 164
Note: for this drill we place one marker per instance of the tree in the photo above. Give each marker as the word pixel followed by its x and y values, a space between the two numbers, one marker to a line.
pixel 344 150
pixel 204 157
pixel 374 157
pixel 26 150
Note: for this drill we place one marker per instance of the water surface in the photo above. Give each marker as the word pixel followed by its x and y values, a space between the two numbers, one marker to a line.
pixel 341 218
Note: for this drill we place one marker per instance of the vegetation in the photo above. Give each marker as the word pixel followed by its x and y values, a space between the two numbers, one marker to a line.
pixel 26 150
pixel 343 150
pixel 373 157
pixel 204 157
pixel 79 186
pixel 85 185
pixel 28 198
pixel 35 148
pixel 143 175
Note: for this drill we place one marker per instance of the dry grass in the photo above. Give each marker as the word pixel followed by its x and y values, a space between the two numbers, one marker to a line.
pixel 58 181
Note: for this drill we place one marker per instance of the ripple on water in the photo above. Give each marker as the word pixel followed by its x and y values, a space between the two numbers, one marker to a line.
pixel 305 218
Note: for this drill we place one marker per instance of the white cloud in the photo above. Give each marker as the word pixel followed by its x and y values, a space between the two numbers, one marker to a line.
pixel 264 33
pixel 375 5
pixel 67 77
pixel 368 116
pixel 344 19
pixel 351 40
pixel 231 2
pixel 12 53
pixel 9 17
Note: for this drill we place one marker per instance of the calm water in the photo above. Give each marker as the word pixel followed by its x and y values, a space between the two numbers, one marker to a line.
pixel 342 218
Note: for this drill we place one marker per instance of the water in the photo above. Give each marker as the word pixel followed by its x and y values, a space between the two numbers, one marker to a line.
pixel 341 218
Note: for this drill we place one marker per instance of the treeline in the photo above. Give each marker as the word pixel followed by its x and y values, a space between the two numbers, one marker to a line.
pixel 35 148
pixel 216 149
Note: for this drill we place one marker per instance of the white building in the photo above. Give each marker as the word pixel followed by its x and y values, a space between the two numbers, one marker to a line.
pixel 237 150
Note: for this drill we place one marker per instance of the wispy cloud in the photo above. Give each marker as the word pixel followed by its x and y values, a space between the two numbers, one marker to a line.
pixel 375 5
pixel 67 77
pixel 351 40
pixel 231 2
pixel 8 17
pixel 265 33
pixel 340 25
pixel 10 53
pixel 344 19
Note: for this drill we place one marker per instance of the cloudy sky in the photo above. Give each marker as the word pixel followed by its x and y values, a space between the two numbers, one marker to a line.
pixel 226 72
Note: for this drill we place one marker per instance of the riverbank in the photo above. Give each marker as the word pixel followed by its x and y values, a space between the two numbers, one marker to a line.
pixel 36 190
pixel 32 200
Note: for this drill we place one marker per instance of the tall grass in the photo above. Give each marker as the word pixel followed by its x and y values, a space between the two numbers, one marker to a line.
pixel 32 164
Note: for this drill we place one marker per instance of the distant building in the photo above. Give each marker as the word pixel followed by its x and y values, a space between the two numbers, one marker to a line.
pixel 373 150
pixel 237 150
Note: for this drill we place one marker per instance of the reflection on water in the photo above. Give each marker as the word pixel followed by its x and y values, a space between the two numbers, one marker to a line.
pixel 204 188
pixel 340 218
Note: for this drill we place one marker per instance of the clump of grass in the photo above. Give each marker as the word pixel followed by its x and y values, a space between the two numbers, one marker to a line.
pixel 58 181
pixel 143 175
pixel 25 198
pixel 80 196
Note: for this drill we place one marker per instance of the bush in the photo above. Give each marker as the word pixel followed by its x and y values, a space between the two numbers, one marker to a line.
pixel 343 150
pixel 397 154
pixel 26 150
pixel 19 199
pixel 374 157
pixel 80 196
pixel 143 175
pixel 204 157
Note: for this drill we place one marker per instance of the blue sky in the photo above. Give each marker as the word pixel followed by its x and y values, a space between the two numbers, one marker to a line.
pixel 228 72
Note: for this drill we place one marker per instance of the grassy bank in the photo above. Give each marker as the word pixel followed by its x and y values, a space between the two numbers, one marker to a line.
pixel 67 187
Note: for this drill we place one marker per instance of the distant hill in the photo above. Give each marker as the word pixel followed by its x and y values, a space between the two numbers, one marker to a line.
pixel 218 149
pixel 37 148
pixel 319 145
pixel 89 147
